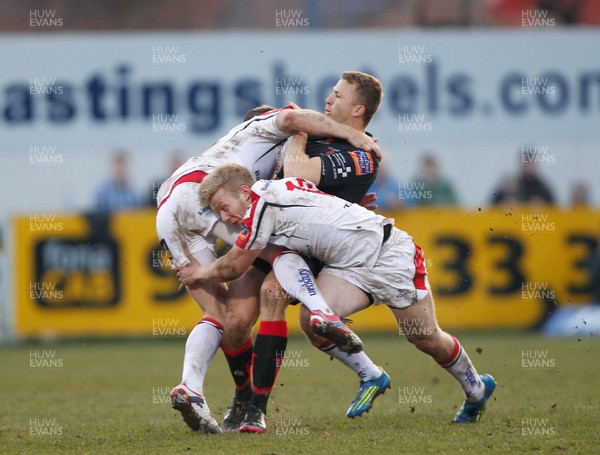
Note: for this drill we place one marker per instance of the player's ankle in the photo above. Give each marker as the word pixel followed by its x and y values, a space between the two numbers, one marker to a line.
pixel 244 394
pixel 260 401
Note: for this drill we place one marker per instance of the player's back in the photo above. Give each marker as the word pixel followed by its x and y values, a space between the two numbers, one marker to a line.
pixel 255 144
pixel 299 216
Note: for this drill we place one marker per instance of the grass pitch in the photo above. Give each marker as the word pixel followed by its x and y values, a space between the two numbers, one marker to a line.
pixel 112 397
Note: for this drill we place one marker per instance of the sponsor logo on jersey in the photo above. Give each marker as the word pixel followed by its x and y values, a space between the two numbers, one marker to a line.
pixel 363 162
pixel 244 233
pixel 204 210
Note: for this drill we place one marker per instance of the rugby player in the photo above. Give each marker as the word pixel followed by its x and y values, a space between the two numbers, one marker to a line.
pixel 187 231
pixel 337 168
pixel 388 268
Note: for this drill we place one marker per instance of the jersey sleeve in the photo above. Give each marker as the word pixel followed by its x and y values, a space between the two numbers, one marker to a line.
pixel 341 168
pixel 256 228
pixel 266 125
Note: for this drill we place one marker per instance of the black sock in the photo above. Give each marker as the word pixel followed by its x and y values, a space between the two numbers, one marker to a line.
pixel 240 363
pixel 269 350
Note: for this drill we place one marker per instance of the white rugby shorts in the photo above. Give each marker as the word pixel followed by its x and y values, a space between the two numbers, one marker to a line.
pixel 183 225
pixel 399 277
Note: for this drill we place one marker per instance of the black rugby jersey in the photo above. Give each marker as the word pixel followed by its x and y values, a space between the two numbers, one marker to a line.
pixel 346 171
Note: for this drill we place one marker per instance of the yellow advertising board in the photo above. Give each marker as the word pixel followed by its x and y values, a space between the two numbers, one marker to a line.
pixel 107 276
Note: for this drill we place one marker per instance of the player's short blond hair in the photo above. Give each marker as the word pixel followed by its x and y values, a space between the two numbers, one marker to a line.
pixel 368 91
pixel 230 177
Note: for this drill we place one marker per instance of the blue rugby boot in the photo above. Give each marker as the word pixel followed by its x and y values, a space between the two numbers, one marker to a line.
pixel 367 392
pixel 471 412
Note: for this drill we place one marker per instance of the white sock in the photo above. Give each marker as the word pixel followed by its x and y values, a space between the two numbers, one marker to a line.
pixel 297 280
pixel 460 366
pixel 202 344
pixel 360 363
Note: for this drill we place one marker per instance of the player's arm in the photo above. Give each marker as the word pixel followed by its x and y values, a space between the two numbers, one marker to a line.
pixel 298 164
pixel 226 268
pixel 317 124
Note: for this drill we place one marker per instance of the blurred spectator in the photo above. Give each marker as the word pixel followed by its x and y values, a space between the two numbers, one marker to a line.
pixel 508 193
pixel 429 188
pixel 530 188
pixel 176 159
pixel 580 195
pixel 387 191
pixel 117 193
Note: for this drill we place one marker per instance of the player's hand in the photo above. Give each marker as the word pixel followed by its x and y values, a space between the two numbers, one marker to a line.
pixel 300 135
pixel 294 105
pixel 190 274
pixel 368 201
pixel 361 140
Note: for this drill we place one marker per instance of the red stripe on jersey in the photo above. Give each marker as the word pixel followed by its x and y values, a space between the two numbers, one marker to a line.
pixel 289 106
pixel 420 269
pixel 193 177
pixel 246 227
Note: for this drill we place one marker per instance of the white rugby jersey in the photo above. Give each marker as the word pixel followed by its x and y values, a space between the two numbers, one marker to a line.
pixel 293 213
pixel 255 144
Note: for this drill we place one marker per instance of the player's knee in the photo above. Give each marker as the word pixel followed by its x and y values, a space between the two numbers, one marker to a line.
pixel 216 312
pixel 238 327
pixel 427 340
pixel 273 300
pixel 238 321
pixel 235 338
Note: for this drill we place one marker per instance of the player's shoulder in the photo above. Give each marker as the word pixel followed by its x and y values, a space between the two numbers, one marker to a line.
pixel 260 186
pixel 338 154
pixel 328 145
pixel 275 191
